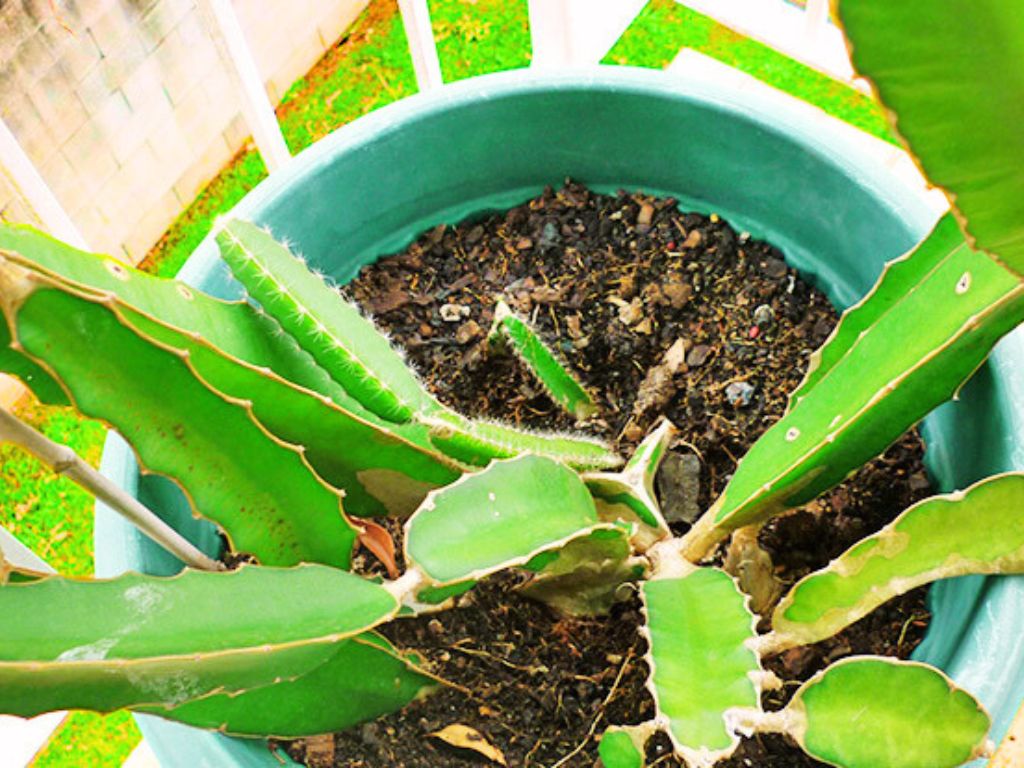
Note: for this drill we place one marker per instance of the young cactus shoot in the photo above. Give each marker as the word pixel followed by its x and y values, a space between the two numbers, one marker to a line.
pixel 556 379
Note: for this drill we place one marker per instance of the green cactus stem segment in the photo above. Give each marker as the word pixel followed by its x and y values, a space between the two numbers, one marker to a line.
pixel 583 577
pixel 258 489
pixel 145 640
pixel 899 277
pixel 912 355
pixel 623 747
pixel 64 461
pixel 343 342
pixel 12 360
pixel 699 630
pixel 234 327
pixel 437 596
pixel 364 678
pixel 929 83
pixel 562 387
pixel 871 711
pixel 477 443
pixel 498 518
pixel 29 372
pixel 979 530
pixel 629 495
pixel 184 318
pixel 379 470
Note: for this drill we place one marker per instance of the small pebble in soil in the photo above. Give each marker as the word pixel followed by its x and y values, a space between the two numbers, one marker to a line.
pixel 739 394
pixel 453 313
pixel 764 316
pixel 678 487
pixel 630 290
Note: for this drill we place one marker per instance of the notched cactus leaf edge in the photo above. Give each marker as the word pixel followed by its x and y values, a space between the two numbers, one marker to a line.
pixel 976 531
pixel 499 517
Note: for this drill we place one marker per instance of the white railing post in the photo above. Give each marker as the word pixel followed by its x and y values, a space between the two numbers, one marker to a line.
pixel 256 106
pixel 422 46
pixel 801 34
pixel 550 33
pixel 37 193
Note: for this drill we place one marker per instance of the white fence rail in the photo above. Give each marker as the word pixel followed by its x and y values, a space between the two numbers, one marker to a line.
pixel 256 106
pixel 805 35
pixel 422 46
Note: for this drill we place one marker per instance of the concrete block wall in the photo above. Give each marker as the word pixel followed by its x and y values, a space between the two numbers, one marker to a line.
pixel 130 110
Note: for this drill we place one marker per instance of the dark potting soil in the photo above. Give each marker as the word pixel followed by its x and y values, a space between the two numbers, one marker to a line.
pixel 615 284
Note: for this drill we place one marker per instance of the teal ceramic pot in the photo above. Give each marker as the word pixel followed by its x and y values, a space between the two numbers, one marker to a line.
pixel 492 142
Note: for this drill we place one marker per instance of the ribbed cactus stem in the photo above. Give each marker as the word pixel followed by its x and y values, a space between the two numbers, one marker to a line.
pixel 561 386
pixel 478 442
pixel 343 342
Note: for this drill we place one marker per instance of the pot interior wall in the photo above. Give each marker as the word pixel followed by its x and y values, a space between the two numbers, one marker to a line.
pixel 493 142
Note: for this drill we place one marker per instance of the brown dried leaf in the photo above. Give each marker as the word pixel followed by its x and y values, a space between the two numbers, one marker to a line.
pixel 753 569
pixel 573 324
pixel 468 331
pixel 547 294
pixel 677 292
pixel 643 219
pixel 392 299
pixel 630 312
pixel 376 539
pixel 658 385
pixel 698 356
pixel 464 737
pixel 675 356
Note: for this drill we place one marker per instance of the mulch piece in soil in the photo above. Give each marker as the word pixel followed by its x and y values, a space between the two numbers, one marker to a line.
pixel 612 283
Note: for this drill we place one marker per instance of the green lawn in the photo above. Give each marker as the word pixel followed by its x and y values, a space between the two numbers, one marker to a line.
pixel 665 26
pixel 367 69
pixel 52 516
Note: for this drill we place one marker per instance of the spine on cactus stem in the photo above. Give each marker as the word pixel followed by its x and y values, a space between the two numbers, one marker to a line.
pixel 476 442
pixel 561 386
pixel 343 342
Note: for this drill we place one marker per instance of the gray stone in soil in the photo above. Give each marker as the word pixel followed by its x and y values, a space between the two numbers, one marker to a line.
pixel 678 487
pixel 739 393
